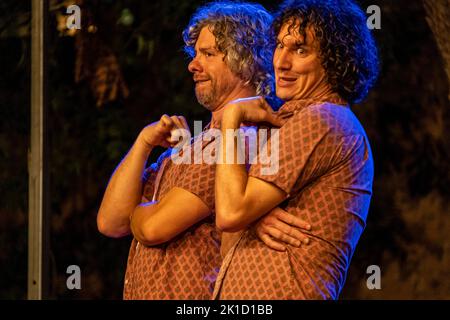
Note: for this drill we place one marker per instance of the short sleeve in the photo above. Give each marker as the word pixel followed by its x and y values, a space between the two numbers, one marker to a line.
pixel 300 151
pixel 199 180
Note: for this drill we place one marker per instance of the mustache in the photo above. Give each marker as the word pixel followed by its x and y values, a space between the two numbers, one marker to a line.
pixel 200 78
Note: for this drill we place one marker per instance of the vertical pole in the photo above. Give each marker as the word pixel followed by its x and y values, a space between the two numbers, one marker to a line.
pixel 38 235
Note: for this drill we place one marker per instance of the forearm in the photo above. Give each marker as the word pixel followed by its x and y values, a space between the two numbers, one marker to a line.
pixel 141 223
pixel 124 192
pixel 153 223
pixel 240 200
pixel 231 177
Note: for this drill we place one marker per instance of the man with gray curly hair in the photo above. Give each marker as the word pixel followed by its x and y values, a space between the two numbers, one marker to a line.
pixel 176 249
pixel 246 53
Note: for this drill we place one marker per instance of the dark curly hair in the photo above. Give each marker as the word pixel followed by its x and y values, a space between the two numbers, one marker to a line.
pixel 242 33
pixel 347 49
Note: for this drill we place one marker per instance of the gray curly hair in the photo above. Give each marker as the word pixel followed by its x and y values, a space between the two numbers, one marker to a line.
pixel 243 33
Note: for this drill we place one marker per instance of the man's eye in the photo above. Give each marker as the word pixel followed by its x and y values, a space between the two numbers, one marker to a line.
pixel 301 51
pixel 279 45
pixel 208 54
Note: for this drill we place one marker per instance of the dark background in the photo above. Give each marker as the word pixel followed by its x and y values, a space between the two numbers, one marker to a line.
pixel 138 44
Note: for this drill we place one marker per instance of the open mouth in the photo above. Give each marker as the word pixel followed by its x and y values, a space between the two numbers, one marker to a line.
pixel 286 81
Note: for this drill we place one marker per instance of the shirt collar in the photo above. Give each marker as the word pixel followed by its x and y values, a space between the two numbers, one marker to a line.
pixel 295 106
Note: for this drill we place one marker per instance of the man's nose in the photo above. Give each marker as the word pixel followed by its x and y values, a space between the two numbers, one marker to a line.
pixel 195 66
pixel 282 60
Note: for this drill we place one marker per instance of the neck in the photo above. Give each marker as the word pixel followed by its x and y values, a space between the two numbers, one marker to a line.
pixel 323 93
pixel 238 93
pixel 317 91
pixel 315 88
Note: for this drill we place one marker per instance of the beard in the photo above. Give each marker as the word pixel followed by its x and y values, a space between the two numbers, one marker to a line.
pixel 207 96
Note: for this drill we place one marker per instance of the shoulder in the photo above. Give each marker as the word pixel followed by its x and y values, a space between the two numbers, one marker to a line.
pixel 332 118
pixel 315 119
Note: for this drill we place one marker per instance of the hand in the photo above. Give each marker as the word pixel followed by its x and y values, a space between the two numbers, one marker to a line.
pixel 253 109
pixel 280 226
pixel 160 133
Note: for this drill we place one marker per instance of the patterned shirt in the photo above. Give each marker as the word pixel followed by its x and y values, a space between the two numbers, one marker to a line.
pixel 186 267
pixel 326 169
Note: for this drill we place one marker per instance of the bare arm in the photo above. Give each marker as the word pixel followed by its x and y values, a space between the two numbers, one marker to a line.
pixel 154 223
pixel 124 190
pixel 240 199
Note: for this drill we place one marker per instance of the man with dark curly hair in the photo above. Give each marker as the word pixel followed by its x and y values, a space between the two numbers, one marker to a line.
pixel 325 60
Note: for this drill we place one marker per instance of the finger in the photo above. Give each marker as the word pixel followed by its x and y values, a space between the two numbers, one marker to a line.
pixel 275 120
pixel 180 133
pixel 184 122
pixel 270 115
pixel 284 115
pixel 283 237
pixel 178 137
pixel 166 121
pixel 291 219
pixel 291 232
pixel 265 105
pixel 287 224
pixel 177 122
pixel 280 121
pixel 170 141
pixel 272 243
pixel 175 137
